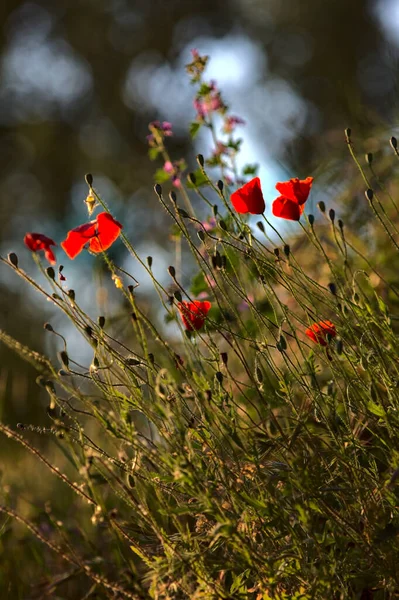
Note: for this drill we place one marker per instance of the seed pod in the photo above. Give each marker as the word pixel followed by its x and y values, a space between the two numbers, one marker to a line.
pixel 394 142
pixel 261 226
pixel 50 272
pixel 224 357
pixel 177 295
pixel 132 362
pixel 369 158
pixel 88 331
pixel 348 133
pixel 13 259
pixel 64 358
pixel 339 345
pixel 89 179
pixel 101 321
pixel 259 375
pixel 219 376
pixel 369 194
pixel 322 206
pixel 48 327
pixel 192 178
pixel 331 214
pixel 201 235
pixel 311 219
pixel 200 160
pixel 183 213
pixel 276 252
pixel 341 224
pixel 220 185
pixel 172 272
pixel 282 342
pixel 333 288
pixel 173 197
pixel 158 189
pixel 286 250
pixel 151 358
pixel 222 225
pixel 215 210
pixel 149 261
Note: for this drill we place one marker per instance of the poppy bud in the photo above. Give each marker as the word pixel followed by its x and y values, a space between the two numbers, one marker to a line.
pixel 200 160
pixel 48 327
pixel 369 194
pixel 130 288
pixel 173 197
pixel 333 288
pixel 96 362
pixel 222 225
pixel 219 376
pixel 50 272
pixel 276 252
pixel 184 214
pixel 71 294
pixel 258 375
pixel 13 259
pixel 64 358
pixel 311 220
pixel 331 214
pixel 158 189
pixel 339 346
pixel 215 210
pixel 89 331
pixel 201 235
pixel 208 394
pixel 282 342
pixel 177 295
pixel 369 158
pixel 341 224
pixel 89 179
pixel 151 358
pixel 216 260
pixel 149 261
pixel 101 321
pixel 132 362
pixel 134 316
pixel 224 357
pixel 261 226
pixel 172 272
pixel 348 132
pixel 20 426
pixel 192 178
pixel 322 206
pixel 56 297
pixel 220 185
pixel 286 250
pixel 394 142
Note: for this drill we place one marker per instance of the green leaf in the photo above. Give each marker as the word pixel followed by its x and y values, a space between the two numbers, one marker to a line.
pixel 198 284
pixel 153 153
pixel 161 176
pixel 195 126
pixel 250 169
pixel 376 409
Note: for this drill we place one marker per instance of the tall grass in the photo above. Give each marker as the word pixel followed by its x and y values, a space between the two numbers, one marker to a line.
pixel 237 458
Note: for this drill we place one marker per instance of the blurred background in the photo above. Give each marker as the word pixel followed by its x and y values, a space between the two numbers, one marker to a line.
pixel 80 81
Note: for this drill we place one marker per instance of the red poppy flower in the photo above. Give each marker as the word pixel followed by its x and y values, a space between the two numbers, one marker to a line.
pixel 318 332
pixel 294 193
pixel 249 198
pixel 38 241
pixel 193 313
pixel 100 234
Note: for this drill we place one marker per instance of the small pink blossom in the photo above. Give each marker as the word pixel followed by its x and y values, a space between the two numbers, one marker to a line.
pixel 231 122
pixel 209 224
pixel 244 305
pixel 168 167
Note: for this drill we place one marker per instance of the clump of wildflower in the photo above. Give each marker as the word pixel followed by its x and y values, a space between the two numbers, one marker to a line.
pixel 230 123
pixel 197 66
pixel 208 101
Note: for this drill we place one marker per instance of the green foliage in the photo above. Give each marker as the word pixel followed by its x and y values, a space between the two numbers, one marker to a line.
pixel 240 455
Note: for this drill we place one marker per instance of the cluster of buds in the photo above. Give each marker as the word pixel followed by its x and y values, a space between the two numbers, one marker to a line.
pixel 208 101
pixel 174 170
pixel 197 66
pixel 158 132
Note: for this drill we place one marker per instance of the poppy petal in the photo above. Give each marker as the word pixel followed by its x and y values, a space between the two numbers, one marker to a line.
pixel 286 209
pixel 77 238
pixel 193 313
pixel 249 198
pixel 108 230
pixel 295 189
pixel 318 332
pixel 38 241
